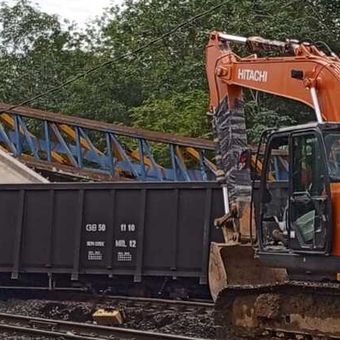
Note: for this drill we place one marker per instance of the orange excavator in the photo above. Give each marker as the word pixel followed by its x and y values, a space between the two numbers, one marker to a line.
pixel 278 268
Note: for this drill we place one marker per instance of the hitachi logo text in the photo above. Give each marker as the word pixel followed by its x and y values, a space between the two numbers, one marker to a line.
pixel 255 75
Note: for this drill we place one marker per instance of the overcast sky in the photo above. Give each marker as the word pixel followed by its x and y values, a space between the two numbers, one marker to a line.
pixel 74 10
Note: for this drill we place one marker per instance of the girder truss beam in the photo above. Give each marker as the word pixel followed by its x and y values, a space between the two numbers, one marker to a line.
pixel 95 150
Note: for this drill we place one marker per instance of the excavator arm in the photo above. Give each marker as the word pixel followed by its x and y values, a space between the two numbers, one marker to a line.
pixel 302 72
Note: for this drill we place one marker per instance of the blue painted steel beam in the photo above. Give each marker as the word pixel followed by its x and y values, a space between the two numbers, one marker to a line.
pixel 78 148
pixel 8 142
pixel 155 166
pixel 31 141
pixel 173 161
pixel 64 144
pixel 17 136
pixel 141 157
pixel 124 155
pixel 109 153
pixel 97 155
pixel 48 141
pixel 202 165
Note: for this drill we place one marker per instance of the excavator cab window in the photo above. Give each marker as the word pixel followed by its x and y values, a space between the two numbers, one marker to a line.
pixel 308 198
pixel 294 203
pixel 274 205
pixel 332 143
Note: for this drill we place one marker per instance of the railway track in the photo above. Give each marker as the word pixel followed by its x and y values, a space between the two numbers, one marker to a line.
pixel 73 330
pixel 77 295
pixel 81 295
pixel 185 319
pixel 167 303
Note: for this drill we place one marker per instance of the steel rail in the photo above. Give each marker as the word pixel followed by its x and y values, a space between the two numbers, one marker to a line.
pixel 283 333
pixel 83 294
pixel 154 136
pixel 187 303
pixel 76 330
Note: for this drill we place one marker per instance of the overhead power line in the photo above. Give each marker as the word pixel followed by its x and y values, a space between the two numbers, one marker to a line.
pixel 114 60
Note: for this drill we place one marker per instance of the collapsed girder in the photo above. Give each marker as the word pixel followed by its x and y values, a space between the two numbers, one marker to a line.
pixel 61 145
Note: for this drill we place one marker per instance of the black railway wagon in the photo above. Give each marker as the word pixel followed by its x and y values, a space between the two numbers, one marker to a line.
pixel 104 232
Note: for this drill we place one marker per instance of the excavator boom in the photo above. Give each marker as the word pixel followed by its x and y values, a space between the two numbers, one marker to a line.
pixel 303 73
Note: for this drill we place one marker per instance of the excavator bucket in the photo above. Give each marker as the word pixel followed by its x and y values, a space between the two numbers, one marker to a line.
pixel 235 264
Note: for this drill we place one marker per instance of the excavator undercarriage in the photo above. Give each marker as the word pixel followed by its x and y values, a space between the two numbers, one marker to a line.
pixel 253 300
pixel 257 300
pixel 304 309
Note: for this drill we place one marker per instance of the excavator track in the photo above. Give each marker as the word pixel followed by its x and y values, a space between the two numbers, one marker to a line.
pixel 305 310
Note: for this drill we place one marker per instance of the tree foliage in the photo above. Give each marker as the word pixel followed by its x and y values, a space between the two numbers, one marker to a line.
pixel 180 113
pixel 164 87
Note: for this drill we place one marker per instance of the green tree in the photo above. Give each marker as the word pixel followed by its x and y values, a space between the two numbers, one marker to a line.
pixel 158 87
pixel 176 65
pixel 180 113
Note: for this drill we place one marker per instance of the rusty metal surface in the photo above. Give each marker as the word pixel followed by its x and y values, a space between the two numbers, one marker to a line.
pixel 114 128
pixel 53 169
pixel 235 264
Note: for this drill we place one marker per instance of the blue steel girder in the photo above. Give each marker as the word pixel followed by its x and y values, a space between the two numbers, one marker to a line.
pixel 123 154
pixel 155 167
pixel 30 139
pixel 110 154
pixel 181 164
pixel 7 140
pixel 60 139
pixel 17 136
pixel 141 158
pixel 97 153
pixel 203 165
pixel 173 161
pixel 47 141
pixel 64 144
pixel 78 147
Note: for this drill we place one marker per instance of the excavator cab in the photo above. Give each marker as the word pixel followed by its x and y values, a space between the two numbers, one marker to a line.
pixel 299 181
pixel 297 242
pixel 296 213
